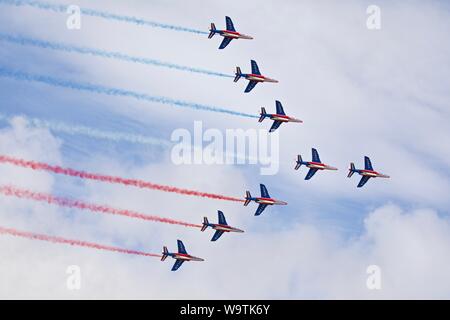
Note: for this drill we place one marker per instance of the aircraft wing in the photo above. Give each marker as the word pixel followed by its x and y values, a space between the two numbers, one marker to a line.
pixel 225 42
pixel 367 163
pixel 315 156
pixel 363 181
pixel 264 192
pixel 260 209
pixel 181 248
pixel 310 174
pixel 255 69
pixel 230 26
pixel 279 108
pixel 250 86
pixel 217 235
pixel 177 264
pixel 275 126
pixel 222 219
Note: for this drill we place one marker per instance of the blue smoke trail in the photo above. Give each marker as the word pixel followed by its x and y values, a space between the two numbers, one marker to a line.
pixel 100 14
pixel 23 76
pixel 101 53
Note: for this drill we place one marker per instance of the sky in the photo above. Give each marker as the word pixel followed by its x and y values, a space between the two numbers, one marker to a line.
pixel 381 93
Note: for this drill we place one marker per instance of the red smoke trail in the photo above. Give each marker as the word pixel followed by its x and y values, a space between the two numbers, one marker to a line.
pixel 111 179
pixel 53 239
pixel 63 202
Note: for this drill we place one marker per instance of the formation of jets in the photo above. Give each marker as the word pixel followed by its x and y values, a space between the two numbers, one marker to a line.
pixel 229 34
pixel 278 118
pixel 316 165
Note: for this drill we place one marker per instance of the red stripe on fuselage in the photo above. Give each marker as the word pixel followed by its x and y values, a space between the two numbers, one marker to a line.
pixel 266 199
pixel 256 76
pixel 182 255
pixel 226 227
pixel 369 171
pixel 317 164
pixel 281 116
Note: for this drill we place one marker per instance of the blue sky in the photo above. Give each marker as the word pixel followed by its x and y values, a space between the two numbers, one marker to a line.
pixel 360 92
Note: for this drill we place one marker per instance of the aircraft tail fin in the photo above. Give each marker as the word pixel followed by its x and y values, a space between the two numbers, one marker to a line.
pixel 299 162
pixel 165 253
pixel 238 74
pixel 205 224
pixel 352 170
pixel 212 31
pixel 247 198
pixel 263 114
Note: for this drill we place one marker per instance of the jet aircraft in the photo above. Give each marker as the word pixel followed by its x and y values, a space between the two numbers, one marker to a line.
pixel 263 201
pixel 229 34
pixel 180 256
pixel 253 77
pixel 220 227
pixel 314 165
pixel 278 117
pixel 366 173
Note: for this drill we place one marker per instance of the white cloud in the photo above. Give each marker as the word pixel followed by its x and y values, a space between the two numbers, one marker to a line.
pixel 299 261
pixel 360 92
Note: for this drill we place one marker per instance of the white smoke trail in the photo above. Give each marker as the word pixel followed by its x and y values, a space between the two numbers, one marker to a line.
pixel 71 129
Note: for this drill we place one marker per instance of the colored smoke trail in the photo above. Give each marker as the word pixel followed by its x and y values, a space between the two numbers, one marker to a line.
pixel 60 8
pixel 70 203
pixel 56 82
pixel 71 129
pixel 99 134
pixel 104 54
pixel 110 179
pixel 79 243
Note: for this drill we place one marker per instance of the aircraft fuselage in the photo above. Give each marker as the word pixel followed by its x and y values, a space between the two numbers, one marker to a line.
pixel 269 201
pixel 258 78
pixel 225 228
pixel 372 174
pixel 185 257
pixel 319 166
pixel 283 118
pixel 233 34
